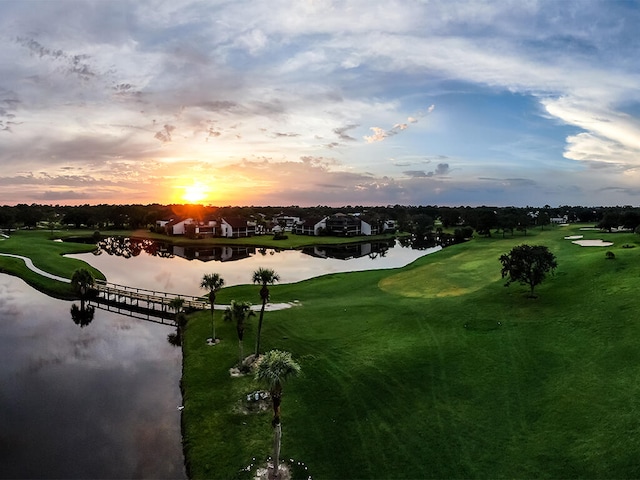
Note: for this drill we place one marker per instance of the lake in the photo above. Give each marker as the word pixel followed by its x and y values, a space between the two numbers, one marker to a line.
pixel 178 269
pixel 93 402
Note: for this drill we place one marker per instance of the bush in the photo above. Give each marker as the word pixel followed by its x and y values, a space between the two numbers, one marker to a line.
pixel 610 255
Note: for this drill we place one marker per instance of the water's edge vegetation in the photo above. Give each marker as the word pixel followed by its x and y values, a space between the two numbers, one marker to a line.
pixel 434 370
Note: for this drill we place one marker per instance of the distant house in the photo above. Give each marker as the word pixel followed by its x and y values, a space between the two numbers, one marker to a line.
pixel 287 222
pixel 237 228
pixel 179 226
pixel 559 220
pixel 389 226
pixel 310 226
pixel 343 225
pixel 370 226
pixel 175 226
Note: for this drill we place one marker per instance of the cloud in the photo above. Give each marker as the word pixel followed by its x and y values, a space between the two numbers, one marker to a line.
pixel 380 134
pixel 441 170
pixel 342 133
pixel 164 135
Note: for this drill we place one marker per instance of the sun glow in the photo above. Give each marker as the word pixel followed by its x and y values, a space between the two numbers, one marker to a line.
pixel 195 193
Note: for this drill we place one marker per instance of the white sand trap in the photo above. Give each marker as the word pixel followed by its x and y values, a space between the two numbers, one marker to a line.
pixel 589 229
pixel 592 243
pixel 573 237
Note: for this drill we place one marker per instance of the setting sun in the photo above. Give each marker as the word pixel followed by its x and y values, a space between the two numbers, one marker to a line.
pixel 195 193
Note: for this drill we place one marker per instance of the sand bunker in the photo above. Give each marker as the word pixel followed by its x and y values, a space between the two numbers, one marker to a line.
pixel 592 243
pixel 573 237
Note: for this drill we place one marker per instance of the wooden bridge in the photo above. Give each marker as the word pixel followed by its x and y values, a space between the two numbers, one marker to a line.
pixel 141 302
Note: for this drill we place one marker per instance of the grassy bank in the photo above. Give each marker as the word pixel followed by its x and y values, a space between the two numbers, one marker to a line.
pixel 437 370
pixel 46 255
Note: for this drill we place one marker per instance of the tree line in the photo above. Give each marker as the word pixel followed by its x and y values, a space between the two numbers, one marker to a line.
pixel 409 218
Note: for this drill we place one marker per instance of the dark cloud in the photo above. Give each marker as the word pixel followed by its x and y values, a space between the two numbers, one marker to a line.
pixel 416 173
pixel 61 195
pixel 164 135
pixel 71 64
pixel 441 169
pixel 342 133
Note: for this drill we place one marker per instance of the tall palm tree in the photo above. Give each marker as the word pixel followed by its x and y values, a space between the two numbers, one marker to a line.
pixel 239 312
pixel 264 277
pixel 212 282
pixel 274 368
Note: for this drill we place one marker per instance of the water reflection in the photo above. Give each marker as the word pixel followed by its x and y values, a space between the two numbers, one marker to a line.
pixel 350 251
pixel 93 402
pixel 174 269
pixel 82 315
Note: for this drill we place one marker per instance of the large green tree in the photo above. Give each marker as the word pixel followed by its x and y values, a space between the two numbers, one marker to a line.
pixel 212 282
pixel 273 369
pixel 239 312
pixel 264 277
pixel 528 265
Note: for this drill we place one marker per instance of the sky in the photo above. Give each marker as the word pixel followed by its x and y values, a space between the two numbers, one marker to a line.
pixel 311 102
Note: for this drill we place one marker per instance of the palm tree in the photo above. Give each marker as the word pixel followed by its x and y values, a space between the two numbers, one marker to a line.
pixel 212 282
pixel 264 277
pixel 81 282
pixel 176 305
pixel 274 368
pixel 239 312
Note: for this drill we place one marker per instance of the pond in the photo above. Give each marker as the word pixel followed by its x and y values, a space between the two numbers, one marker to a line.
pixel 177 269
pixel 93 402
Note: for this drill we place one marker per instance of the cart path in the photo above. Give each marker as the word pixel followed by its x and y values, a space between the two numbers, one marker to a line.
pixel 33 268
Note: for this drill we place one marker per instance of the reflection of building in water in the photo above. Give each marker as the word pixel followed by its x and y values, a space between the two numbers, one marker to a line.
pixel 218 254
pixel 347 252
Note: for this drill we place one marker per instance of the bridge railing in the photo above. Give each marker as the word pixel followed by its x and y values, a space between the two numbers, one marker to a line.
pixel 146 295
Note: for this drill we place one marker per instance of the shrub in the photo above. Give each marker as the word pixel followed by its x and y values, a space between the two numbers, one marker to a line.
pixel 610 255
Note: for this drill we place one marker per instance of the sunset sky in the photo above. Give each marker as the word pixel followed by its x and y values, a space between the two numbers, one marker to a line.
pixel 512 102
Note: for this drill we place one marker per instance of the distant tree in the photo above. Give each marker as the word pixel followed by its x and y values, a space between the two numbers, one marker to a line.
pixel 239 312
pixel 609 221
pixel 274 368
pixel 527 265
pixel 422 225
pixel 264 277
pixel 484 221
pixel 543 219
pixel 630 219
pixel 507 221
pixel 212 282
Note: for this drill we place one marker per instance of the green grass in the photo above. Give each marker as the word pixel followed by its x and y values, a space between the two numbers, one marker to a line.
pixel 408 374
pixel 46 255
